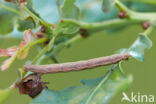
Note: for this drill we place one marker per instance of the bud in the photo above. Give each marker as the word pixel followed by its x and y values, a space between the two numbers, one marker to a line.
pixel 11 1
pixel 145 25
pixel 43 29
pixel 83 32
pixel 23 2
pixel 31 85
pixel 39 34
pixel 122 14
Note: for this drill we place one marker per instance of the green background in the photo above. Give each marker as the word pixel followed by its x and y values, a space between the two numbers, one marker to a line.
pixel 100 44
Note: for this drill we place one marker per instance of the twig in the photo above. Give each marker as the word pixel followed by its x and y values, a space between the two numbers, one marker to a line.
pixel 76 66
pixel 152 2
pixel 37 18
pixel 104 24
pixel 9 9
pixel 148 31
pixel 133 15
pixel 44 50
pixel 105 77
pixel 59 8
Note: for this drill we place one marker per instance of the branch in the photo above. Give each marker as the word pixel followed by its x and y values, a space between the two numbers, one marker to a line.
pixel 152 2
pixel 133 15
pixel 104 24
pixel 76 66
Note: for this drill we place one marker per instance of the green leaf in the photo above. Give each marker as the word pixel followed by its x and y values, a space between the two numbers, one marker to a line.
pixel 7 18
pixel 4 94
pixel 48 10
pixel 66 28
pixel 26 24
pixel 65 31
pixel 11 14
pixel 139 46
pixel 95 91
pixel 142 16
pixel 108 5
pixel 26 21
pixel 70 10
pixel 71 29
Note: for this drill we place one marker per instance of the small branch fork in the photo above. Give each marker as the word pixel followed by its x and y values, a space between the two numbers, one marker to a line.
pixel 76 66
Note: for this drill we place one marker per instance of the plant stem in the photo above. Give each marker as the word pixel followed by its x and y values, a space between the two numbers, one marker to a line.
pixel 9 9
pixel 61 46
pixel 104 24
pixel 120 6
pixel 76 66
pixel 51 43
pixel 148 31
pixel 59 8
pixel 44 50
pixel 37 18
pixel 74 39
pixel 152 2
pixel 28 46
pixel 107 74
pixel 136 16
pixel 32 44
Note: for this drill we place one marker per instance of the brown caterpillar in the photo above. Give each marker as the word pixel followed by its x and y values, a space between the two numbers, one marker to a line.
pixel 76 66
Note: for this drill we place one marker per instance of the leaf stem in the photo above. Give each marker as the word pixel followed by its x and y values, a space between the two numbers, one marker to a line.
pixel 61 46
pixel 36 17
pixel 74 39
pixel 142 1
pixel 32 44
pixel 9 9
pixel 44 50
pixel 59 8
pixel 28 46
pixel 148 31
pixel 107 74
pixel 120 6
pixel 133 15
pixel 104 24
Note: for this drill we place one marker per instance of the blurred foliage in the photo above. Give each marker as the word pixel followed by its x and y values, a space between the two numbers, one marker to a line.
pixel 4 94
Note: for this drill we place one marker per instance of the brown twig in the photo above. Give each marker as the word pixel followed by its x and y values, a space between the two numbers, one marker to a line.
pixel 76 66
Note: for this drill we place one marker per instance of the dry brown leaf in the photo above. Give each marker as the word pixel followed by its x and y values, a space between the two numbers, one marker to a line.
pixel 8 62
pixel 27 38
pixel 8 52
pixel 13 51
